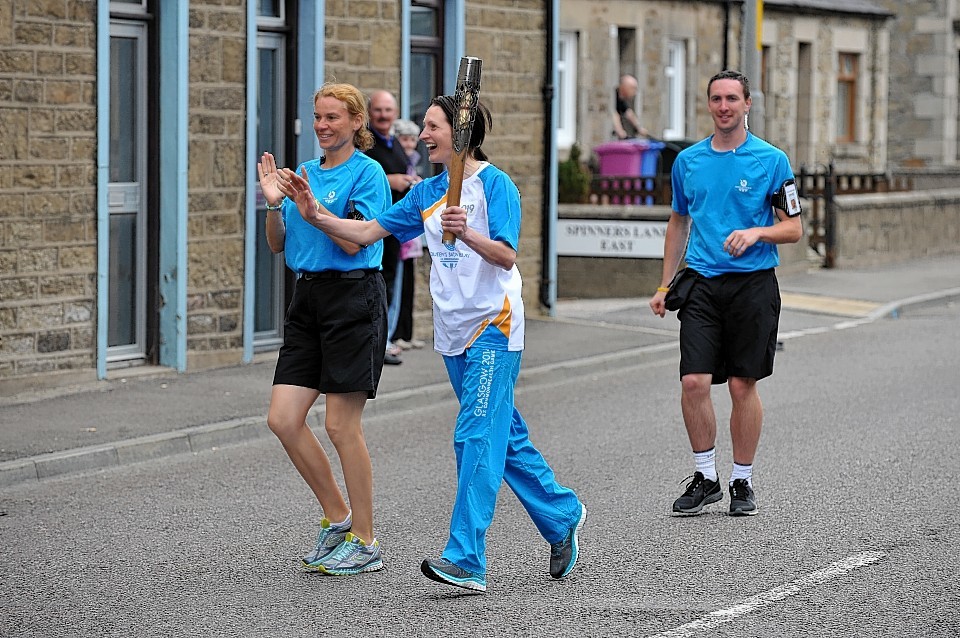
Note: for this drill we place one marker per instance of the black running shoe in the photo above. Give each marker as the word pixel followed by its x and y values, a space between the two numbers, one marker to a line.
pixel 743 502
pixel 699 492
pixel 563 555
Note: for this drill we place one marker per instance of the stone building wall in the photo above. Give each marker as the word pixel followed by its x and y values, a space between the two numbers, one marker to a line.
pixel 700 26
pixel 47 187
pixel 784 32
pixel 924 71
pixel 508 35
pixel 48 163
pixel 216 182
pixel 363 44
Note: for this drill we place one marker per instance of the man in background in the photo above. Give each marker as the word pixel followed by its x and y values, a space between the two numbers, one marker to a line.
pixel 625 122
pixel 389 153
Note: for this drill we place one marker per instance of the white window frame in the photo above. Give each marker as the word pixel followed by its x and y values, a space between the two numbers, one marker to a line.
pixel 265 21
pixel 676 93
pixel 129 8
pixel 566 125
pixel 125 198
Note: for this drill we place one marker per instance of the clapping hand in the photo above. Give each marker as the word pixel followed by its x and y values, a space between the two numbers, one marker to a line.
pixel 269 179
pixel 297 188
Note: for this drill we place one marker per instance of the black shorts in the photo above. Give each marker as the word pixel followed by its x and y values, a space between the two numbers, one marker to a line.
pixel 335 335
pixel 728 326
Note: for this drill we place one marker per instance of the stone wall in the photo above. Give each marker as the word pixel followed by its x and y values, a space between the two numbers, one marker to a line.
pixel 508 35
pixel 47 182
pixel 884 228
pixel 602 277
pixel 216 182
pixel 363 44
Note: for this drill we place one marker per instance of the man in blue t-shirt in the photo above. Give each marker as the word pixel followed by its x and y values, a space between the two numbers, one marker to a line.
pixel 734 200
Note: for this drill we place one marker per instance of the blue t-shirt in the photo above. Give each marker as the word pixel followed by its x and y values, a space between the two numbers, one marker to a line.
pixel 724 191
pixel 475 304
pixel 360 180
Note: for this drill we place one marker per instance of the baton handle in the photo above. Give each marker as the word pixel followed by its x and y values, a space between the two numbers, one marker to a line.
pixel 455 171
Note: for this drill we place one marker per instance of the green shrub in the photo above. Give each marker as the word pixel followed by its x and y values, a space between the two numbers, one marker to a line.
pixel 573 179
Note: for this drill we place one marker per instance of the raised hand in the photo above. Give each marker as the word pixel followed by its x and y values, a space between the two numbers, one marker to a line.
pixel 269 179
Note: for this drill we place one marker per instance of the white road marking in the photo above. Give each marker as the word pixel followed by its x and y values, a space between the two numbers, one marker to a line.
pixel 763 599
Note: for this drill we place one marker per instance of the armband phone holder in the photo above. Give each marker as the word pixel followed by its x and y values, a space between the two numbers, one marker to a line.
pixel 787 199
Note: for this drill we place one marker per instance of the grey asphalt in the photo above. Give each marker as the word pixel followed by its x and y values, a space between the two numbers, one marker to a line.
pixel 154 413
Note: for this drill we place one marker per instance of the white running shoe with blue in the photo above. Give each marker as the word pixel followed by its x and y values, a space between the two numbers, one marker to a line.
pixel 352 556
pixel 328 539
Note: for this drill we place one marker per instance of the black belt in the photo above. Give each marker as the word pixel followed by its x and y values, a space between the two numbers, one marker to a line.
pixel 336 274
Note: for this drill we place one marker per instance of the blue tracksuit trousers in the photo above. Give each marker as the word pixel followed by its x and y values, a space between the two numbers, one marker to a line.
pixel 492 445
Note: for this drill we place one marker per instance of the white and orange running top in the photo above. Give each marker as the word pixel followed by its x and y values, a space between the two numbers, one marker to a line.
pixel 475 303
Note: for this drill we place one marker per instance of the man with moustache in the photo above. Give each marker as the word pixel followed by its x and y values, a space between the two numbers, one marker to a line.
pixel 389 153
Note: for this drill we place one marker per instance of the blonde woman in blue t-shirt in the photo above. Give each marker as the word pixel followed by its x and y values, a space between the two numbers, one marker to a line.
pixel 334 334
pixel 478 328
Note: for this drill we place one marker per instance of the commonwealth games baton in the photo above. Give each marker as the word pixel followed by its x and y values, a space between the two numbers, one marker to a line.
pixel 466 98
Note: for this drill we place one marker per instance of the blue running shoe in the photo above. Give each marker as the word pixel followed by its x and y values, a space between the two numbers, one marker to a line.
pixel 353 556
pixel 328 539
pixel 563 555
pixel 443 571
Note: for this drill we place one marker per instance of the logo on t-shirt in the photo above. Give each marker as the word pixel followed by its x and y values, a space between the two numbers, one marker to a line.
pixel 330 198
pixel 448 258
pixel 743 187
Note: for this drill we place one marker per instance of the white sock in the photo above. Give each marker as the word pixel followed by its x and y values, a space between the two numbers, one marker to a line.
pixel 707 463
pixel 345 523
pixel 742 472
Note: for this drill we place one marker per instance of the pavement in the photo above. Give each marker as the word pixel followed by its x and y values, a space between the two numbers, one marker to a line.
pixel 150 413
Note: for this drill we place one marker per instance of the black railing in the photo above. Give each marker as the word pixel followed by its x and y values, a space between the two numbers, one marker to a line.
pixel 820 185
